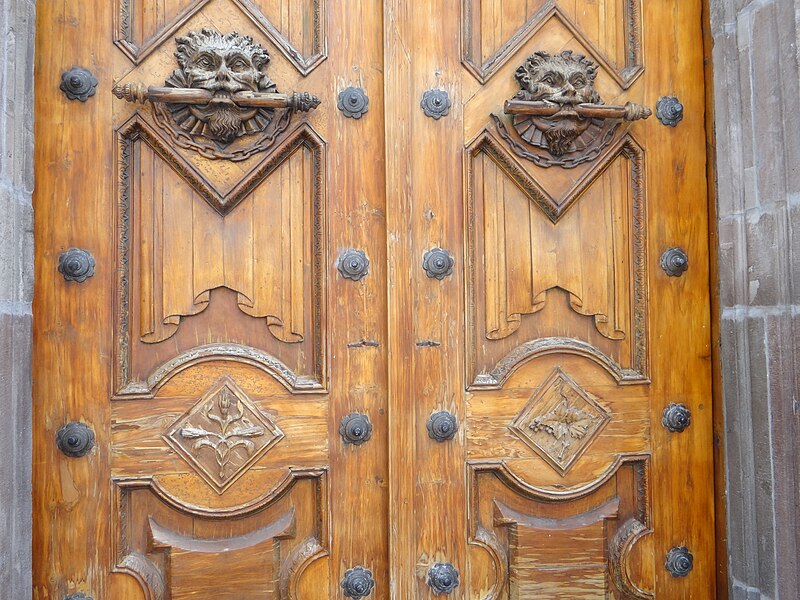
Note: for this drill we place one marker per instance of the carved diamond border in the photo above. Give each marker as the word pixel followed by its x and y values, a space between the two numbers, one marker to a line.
pixel 123 36
pixel 271 428
pixel 483 72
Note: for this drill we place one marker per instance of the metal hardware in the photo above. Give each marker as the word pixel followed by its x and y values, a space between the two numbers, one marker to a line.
pixel 353 264
pixel 78 84
pixel 78 596
pixel 669 111
pixel 676 417
pixel 220 93
pixel 76 264
pixel 442 426
pixel 435 104
pixel 355 429
pixel 559 119
pixel 353 102
pixel 75 439
pixel 438 263
pixel 357 583
pixel 442 578
pixel 674 261
pixel 679 561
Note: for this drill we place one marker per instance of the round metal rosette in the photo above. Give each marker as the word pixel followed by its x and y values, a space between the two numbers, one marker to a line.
pixel 355 429
pixel 442 426
pixel 357 583
pixel 438 263
pixel 435 103
pixel 353 264
pixel 679 561
pixel 78 84
pixel 76 264
pixel 674 262
pixel 75 439
pixel 442 578
pixel 669 111
pixel 353 102
pixel 676 417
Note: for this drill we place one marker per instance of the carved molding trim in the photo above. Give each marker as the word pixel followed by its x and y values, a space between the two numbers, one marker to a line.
pixel 136 130
pixel 212 352
pixel 124 40
pixel 487 540
pixel 497 377
pixel 484 70
pixel 487 144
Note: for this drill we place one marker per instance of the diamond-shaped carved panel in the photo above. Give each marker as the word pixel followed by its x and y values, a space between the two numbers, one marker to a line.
pixel 296 27
pixel 560 421
pixel 223 435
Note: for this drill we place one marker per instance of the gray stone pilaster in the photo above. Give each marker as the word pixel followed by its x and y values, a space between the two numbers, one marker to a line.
pixel 757 85
pixel 17 27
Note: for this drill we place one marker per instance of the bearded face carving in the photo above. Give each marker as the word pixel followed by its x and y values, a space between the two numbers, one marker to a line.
pixel 565 79
pixel 222 65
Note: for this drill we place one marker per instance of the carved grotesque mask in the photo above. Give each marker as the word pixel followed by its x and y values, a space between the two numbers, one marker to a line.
pixel 223 65
pixel 565 79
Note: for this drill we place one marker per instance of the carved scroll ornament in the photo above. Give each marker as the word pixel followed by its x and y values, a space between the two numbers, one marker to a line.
pixel 558 118
pixel 220 94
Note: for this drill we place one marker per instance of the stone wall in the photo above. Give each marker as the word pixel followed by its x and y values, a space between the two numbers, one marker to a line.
pixel 757 87
pixel 17 25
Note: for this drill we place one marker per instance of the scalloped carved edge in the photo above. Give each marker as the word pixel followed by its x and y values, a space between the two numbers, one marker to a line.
pixel 626 537
pixel 628 147
pixel 483 72
pixel 299 559
pixel 488 541
pixel 302 136
pixel 146 573
pixel 123 33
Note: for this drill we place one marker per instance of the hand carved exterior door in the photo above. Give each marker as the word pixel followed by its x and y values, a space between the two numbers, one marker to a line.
pixel 371 300
pixel 554 167
pixel 228 361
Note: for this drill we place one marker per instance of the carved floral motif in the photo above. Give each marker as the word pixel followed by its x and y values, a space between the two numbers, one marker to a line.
pixel 223 434
pixel 560 421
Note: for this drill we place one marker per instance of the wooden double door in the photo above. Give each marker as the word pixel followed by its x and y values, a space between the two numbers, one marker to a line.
pixel 367 299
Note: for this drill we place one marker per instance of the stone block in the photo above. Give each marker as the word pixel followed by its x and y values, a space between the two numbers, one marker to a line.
pixel 15 448
pixel 767 106
pixel 767 257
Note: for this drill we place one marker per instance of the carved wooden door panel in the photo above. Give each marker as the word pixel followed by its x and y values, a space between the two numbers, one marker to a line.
pixel 211 358
pixel 545 200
